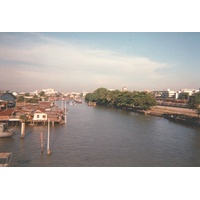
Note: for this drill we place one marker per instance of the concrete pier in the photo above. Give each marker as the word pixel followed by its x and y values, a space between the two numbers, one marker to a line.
pixel 22 129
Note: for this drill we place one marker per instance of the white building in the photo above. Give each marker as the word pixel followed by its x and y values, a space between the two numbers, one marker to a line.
pixel 34 93
pixel 49 91
pixel 124 89
pixel 189 91
pixel 157 94
pixel 168 94
pixel 39 116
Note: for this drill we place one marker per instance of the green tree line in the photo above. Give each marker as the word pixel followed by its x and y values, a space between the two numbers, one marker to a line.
pixel 118 99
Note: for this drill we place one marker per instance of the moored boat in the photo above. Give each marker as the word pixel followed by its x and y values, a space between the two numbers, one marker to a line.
pixel 92 103
pixel 4 131
pixel 78 100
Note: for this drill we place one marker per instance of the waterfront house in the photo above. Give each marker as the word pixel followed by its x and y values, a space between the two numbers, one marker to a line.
pixel 39 116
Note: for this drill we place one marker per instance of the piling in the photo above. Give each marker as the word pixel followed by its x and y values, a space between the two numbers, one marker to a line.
pixel 22 129
pixel 62 104
pixel 65 113
pixel 48 139
pixel 41 142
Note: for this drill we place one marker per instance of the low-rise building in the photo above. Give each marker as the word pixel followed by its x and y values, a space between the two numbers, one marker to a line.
pixel 39 116
pixel 168 94
pixel 189 91
pixel 7 100
pixel 50 92
pixel 124 89
pixel 157 94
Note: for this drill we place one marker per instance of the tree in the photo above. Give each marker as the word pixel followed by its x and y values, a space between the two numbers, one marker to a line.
pixel 42 93
pixel 138 100
pixel 90 97
pixel 100 95
pixel 118 99
pixel 184 95
pixel 194 103
pixel 111 96
pixel 20 99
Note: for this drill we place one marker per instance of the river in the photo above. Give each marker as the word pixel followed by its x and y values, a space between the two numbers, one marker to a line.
pixel 106 137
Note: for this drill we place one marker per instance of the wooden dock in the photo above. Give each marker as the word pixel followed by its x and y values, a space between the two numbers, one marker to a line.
pixel 5 159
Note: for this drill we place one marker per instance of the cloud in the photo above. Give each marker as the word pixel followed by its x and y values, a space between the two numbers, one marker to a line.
pixel 46 61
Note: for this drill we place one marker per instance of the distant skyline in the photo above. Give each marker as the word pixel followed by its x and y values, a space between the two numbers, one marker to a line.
pixel 89 60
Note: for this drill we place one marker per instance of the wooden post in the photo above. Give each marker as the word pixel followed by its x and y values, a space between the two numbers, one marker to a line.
pixel 65 113
pixel 41 141
pixel 62 103
pixel 22 129
pixel 48 139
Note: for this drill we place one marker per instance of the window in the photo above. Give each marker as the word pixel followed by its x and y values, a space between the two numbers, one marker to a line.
pixel 38 116
pixel 44 116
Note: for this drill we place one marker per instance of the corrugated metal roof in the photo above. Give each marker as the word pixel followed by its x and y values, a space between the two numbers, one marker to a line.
pixel 7 94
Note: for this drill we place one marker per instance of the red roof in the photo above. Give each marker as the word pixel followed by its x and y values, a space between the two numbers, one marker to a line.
pixel 7 112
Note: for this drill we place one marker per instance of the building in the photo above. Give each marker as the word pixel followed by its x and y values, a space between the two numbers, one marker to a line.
pixel 50 92
pixel 189 91
pixel 124 89
pixel 157 94
pixel 168 94
pixel 39 116
pixel 34 93
pixel 7 100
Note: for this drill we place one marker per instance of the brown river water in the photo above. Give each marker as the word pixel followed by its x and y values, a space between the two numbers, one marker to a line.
pixel 105 137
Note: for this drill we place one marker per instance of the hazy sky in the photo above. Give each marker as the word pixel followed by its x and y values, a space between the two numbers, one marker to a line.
pixel 86 61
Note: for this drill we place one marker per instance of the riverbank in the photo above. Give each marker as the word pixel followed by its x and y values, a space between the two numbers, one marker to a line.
pixel 182 115
pixel 178 114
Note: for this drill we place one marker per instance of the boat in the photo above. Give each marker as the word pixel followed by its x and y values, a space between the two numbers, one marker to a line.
pixel 4 131
pixel 5 159
pixel 71 103
pixel 77 100
pixel 92 103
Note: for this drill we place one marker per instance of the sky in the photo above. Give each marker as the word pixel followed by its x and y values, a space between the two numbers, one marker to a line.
pixel 85 61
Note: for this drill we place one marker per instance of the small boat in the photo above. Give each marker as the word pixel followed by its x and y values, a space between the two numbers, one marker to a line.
pixel 4 131
pixel 92 103
pixel 78 100
pixel 5 159
pixel 71 103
